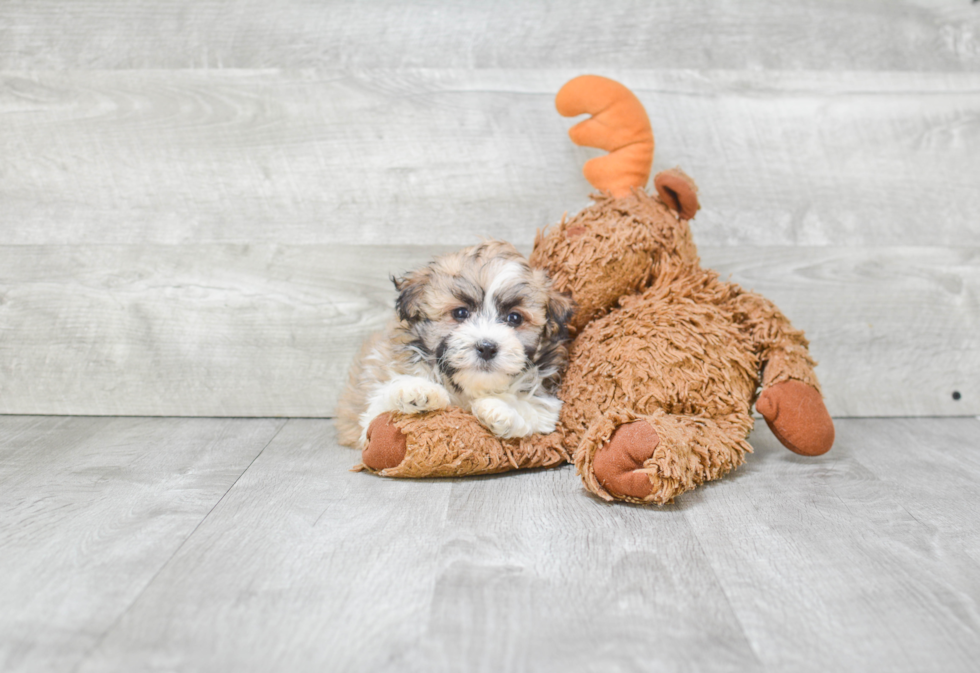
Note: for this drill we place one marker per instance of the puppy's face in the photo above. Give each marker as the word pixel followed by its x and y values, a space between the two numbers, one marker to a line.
pixel 485 318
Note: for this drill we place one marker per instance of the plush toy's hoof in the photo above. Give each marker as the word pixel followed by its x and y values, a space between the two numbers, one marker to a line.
pixel 628 448
pixel 796 414
pixel 386 444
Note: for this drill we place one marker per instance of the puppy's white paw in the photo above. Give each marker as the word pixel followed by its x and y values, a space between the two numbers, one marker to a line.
pixel 500 418
pixel 545 418
pixel 415 395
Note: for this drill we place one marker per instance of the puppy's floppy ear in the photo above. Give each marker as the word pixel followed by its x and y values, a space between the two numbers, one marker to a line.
pixel 559 310
pixel 552 356
pixel 410 289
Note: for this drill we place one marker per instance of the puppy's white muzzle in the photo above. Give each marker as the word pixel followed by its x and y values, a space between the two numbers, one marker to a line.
pixel 486 355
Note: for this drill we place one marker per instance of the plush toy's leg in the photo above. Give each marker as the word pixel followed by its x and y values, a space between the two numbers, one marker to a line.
pixel 790 401
pixel 783 349
pixel 655 458
pixel 451 443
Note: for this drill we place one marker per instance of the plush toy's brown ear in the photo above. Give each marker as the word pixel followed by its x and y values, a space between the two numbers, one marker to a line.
pixel 678 192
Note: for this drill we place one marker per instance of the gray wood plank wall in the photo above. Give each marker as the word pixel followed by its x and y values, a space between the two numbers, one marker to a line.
pixel 200 202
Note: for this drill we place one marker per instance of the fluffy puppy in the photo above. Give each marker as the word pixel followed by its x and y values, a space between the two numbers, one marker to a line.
pixel 478 329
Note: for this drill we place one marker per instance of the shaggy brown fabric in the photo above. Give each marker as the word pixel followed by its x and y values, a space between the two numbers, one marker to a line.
pixel 784 350
pixel 664 366
pixel 451 442
pixel 664 341
pixel 611 250
pixel 691 450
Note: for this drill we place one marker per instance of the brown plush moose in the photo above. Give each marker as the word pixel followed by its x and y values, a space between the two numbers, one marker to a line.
pixel 666 360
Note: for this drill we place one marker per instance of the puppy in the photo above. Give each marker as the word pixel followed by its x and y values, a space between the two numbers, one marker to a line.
pixel 478 329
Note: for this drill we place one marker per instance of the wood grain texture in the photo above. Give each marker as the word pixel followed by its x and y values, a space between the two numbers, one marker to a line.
pixel 757 34
pixel 443 156
pixel 224 330
pixel 790 564
pixel 825 554
pixel 522 573
pixel 911 457
pixel 91 509
pixel 196 195
pixel 896 329
pixel 188 330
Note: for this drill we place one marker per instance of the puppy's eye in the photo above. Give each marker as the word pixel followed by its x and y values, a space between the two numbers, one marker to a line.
pixel 461 313
pixel 515 319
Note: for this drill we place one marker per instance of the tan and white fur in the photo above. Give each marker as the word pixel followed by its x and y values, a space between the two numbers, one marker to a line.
pixel 478 329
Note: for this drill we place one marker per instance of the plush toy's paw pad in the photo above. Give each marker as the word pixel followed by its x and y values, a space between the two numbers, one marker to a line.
pixel 796 414
pixel 500 418
pixel 385 444
pixel 417 396
pixel 614 464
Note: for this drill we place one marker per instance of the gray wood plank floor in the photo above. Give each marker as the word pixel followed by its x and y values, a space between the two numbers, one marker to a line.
pixel 146 544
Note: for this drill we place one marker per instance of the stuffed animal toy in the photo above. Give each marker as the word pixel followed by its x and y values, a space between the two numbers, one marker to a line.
pixel 665 361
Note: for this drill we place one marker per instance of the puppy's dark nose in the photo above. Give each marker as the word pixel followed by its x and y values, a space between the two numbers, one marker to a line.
pixel 486 349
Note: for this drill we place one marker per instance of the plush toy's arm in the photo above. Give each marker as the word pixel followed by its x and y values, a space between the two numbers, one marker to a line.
pixel 451 443
pixel 791 401
pixel 783 349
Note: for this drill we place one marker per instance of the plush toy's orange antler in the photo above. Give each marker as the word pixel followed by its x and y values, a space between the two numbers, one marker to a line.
pixel 619 124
